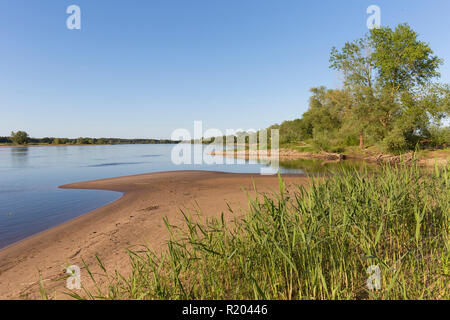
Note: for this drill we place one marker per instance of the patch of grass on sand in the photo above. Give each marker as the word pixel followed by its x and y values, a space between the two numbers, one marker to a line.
pixel 317 242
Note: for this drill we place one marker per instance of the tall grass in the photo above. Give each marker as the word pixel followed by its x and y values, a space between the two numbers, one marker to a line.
pixel 309 243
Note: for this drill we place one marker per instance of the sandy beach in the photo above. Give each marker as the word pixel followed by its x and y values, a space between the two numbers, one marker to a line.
pixel 133 220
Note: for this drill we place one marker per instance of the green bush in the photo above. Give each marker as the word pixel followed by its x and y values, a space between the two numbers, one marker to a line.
pixel 440 137
pixel 321 142
pixel 395 141
pixel 351 141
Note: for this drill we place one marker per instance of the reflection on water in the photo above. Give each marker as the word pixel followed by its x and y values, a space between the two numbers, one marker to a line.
pixel 19 157
pixel 151 155
pixel 311 166
pixel 113 164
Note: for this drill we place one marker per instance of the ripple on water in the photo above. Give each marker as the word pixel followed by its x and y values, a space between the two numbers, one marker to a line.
pixel 111 164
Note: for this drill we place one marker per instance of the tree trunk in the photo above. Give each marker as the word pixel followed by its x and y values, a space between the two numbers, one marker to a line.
pixel 361 141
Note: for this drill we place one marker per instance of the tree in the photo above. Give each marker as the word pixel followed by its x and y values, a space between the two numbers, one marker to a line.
pixel 389 75
pixel 20 137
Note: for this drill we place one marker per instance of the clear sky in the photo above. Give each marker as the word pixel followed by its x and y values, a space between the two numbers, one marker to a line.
pixel 142 68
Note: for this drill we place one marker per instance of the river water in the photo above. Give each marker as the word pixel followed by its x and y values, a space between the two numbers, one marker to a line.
pixel 30 201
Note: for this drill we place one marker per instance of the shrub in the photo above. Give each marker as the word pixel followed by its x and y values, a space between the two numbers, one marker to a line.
pixel 395 141
pixel 440 137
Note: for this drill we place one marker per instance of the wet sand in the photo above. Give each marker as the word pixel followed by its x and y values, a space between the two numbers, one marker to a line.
pixel 135 219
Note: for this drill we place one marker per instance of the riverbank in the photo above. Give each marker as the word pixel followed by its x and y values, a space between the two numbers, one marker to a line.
pixel 134 219
pixel 316 243
pixel 424 158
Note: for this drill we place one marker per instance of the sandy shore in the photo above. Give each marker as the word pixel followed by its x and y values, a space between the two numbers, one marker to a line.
pixel 134 219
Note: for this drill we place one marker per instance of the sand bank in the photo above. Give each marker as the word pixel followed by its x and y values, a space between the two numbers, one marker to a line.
pixel 134 219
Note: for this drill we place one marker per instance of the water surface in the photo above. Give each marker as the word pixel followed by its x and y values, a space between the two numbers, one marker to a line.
pixel 31 202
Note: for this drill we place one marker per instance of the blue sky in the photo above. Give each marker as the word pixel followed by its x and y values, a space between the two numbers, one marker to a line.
pixel 142 68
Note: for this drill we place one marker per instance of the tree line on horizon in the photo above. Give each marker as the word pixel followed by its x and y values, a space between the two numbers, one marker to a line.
pixel 22 138
pixel 390 97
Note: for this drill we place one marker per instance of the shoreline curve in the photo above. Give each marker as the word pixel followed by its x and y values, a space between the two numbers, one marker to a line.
pixel 135 219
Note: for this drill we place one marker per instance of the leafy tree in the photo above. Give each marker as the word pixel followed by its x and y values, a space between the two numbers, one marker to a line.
pixel 389 75
pixel 20 137
pixel 293 131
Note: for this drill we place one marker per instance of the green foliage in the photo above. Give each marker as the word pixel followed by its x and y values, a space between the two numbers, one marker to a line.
pixel 351 140
pixel 439 137
pixel 5 140
pixel 20 137
pixel 294 131
pixel 82 141
pixel 402 61
pixel 395 141
pixel 321 142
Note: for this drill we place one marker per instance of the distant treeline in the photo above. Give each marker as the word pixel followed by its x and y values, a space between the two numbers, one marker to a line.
pixel 240 137
pixel 86 141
